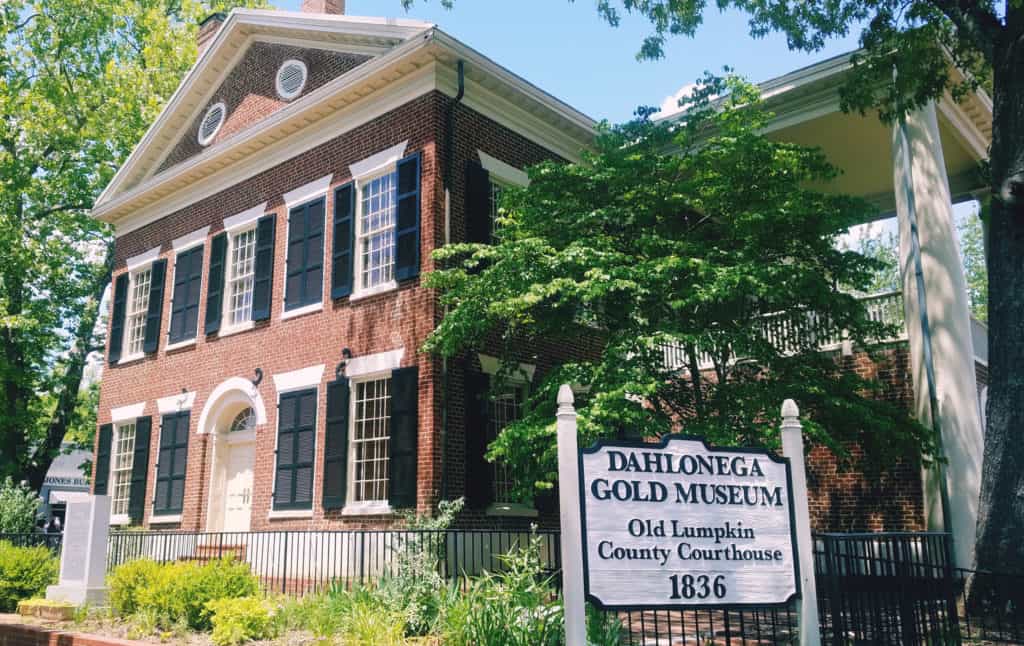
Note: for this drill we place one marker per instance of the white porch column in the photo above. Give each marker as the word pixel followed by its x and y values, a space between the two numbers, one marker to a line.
pixel 936 281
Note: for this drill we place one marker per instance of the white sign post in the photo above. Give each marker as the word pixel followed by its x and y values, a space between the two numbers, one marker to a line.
pixel 569 505
pixel 793 448
pixel 83 559
pixel 680 524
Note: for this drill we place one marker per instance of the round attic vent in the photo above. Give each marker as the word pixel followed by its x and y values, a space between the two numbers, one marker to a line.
pixel 291 78
pixel 211 123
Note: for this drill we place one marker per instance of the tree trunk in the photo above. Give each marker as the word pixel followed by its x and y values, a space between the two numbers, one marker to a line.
pixel 70 382
pixel 1000 546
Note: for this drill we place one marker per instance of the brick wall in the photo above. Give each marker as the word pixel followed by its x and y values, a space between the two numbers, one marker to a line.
pixel 855 494
pixel 29 635
pixel 249 92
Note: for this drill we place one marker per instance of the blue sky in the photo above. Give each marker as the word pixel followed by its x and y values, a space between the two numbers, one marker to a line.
pixel 567 50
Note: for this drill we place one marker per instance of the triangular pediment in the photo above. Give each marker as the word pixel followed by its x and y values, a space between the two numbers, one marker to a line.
pixel 239 71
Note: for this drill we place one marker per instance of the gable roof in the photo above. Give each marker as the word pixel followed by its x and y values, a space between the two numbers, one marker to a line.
pixel 409 58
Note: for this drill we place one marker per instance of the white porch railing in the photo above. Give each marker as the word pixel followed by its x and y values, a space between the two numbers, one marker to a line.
pixel 791 331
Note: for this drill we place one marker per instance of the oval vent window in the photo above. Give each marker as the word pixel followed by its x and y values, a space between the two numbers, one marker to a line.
pixel 291 78
pixel 211 123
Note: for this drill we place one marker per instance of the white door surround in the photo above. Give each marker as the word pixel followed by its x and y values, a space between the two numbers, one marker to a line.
pixel 233 455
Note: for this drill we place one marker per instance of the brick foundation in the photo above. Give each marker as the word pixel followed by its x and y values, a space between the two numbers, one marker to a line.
pixel 17 634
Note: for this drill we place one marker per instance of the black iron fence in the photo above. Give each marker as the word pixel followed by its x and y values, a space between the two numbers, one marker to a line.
pixel 990 606
pixel 50 540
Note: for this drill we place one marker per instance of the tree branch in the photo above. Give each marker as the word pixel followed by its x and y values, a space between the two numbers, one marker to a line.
pixel 980 26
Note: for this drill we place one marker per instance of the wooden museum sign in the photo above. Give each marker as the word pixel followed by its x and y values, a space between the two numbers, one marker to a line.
pixel 681 524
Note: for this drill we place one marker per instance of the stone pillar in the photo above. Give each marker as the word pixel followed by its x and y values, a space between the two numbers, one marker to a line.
pixel 938 324
pixel 83 559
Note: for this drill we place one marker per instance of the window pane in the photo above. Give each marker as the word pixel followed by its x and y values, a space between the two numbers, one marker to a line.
pixel 240 277
pixel 370 437
pixel 138 306
pixel 505 409
pixel 377 231
pixel 121 468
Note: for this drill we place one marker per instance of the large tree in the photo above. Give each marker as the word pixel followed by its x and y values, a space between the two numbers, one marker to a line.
pixel 700 241
pixel 919 40
pixel 80 81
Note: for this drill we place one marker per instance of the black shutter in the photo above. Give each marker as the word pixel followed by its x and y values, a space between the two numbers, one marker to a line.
pixel 188 279
pixel 171 464
pixel 479 472
pixel 117 318
pixel 155 311
pixel 296 436
pixel 478 203
pixel 140 469
pixel 336 444
pixel 344 240
pixel 101 470
pixel 407 229
pixel 215 285
pixel 263 271
pixel 404 437
pixel 305 266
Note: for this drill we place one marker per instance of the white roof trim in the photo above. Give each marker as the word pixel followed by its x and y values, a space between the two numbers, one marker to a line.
pixel 378 161
pixel 143 259
pixel 176 403
pixel 502 171
pixel 298 379
pixel 440 44
pixel 244 218
pixel 308 191
pixel 190 240
pixel 127 413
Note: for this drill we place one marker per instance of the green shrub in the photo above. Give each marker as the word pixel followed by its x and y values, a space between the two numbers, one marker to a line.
pixel 24 572
pixel 236 621
pixel 174 593
pixel 18 508
pixel 126 581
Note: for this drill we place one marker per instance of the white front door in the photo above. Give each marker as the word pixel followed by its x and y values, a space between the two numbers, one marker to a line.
pixel 238 491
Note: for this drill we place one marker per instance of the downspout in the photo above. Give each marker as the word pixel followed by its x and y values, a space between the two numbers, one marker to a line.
pixel 449 145
pixel 926 334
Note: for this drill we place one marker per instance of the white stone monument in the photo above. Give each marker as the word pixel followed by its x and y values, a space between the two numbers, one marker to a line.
pixel 83 560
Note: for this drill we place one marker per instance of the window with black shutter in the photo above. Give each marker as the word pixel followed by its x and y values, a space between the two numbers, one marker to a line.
pixel 342 256
pixel 140 469
pixel 263 271
pixel 296 437
pixel 215 284
pixel 404 437
pixel 101 470
pixel 336 444
pixel 155 310
pixel 188 281
pixel 407 228
pixel 117 318
pixel 479 472
pixel 305 264
pixel 478 209
pixel 172 461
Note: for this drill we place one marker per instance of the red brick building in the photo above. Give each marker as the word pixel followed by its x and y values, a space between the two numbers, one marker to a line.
pixel 264 363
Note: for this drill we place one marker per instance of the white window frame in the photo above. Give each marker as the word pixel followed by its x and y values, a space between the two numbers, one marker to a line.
pixel 229 267
pixel 137 265
pixel 521 378
pixel 318 188
pixel 358 291
pixel 363 172
pixel 115 440
pixel 234 225
pixel 288 96
pixel 361 369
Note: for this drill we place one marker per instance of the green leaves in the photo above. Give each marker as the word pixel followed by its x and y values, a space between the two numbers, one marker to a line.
pixel 701 237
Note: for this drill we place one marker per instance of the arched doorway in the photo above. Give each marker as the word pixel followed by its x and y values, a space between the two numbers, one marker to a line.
pixel 231 417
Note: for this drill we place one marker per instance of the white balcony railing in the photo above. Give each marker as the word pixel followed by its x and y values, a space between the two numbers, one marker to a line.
pixel 790 331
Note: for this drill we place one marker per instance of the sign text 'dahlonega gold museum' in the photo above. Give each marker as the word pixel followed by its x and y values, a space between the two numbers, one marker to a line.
pixel 681 524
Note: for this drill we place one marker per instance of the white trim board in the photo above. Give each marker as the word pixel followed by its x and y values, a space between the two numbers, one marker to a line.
pixel 308 191
pixel 190 240
pixel 503 172
pixel 492 365
pixel 176 403
pixel 299 379
pixel 143 259
pixel 378 161
pixel 127 413
pixel 245 218
pixel 379 362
